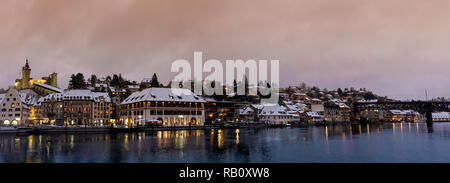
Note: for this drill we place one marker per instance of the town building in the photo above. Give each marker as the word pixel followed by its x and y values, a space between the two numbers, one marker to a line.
pixel 15 106
pixel 250 113
pixel 220 111
pixel 75 107
pixel 337 111
pixel 298 96
pixel 373 114
pixel 274 114
pixel 402 115
pixel 164 106
pixel 313 117
pixel 441 116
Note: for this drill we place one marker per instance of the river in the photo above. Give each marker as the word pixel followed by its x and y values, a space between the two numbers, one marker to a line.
pixel 399 142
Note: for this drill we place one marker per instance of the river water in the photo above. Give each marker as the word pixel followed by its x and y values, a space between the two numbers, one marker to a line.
pixel 400 142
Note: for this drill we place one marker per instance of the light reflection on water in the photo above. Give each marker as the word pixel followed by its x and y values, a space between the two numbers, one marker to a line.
pixel 398 142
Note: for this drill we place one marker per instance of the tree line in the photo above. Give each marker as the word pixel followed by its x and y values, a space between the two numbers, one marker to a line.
pixel 78 81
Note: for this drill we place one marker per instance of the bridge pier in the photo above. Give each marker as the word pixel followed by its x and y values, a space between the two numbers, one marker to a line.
pixel 429 117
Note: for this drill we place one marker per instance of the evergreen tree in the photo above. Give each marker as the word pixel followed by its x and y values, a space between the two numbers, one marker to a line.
pixel 77 81
pixel 93 80
pixel 155 82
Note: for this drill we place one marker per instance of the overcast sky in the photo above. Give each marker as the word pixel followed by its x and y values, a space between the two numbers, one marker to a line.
pixel 395 48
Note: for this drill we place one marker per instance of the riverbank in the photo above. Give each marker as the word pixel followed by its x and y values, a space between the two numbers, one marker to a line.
pixel 383 143
pixel 122 129
pixel 62 129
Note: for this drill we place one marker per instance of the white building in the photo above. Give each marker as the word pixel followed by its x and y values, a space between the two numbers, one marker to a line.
pixel 314 117
pixel 15 106
pixel 441 116
pixel 275 114
pixel 167 106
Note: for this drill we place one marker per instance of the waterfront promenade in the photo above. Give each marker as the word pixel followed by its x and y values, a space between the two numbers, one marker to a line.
pixel 121 129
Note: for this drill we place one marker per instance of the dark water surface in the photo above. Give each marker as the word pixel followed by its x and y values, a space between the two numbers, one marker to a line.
pixel 406 142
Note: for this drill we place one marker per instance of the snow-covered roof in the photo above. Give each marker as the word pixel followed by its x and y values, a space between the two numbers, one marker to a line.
pixel 299 94
pixel 293 107
pixel 29 97
pixel 113 89
pixel 441 115
pixel 76 95
pixel 312 114
pixel 404 112
pixel 163 94
pixel 48 87
pixel 101 85
pixel 2 96
pixel 98 95
pixel 246 110
pixel 133 86
pixel 57 96
pixel 273 110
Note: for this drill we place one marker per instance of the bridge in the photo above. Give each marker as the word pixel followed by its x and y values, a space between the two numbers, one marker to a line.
pixel 423 107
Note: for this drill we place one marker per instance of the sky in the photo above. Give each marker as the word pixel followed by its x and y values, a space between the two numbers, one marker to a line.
pixel 396 48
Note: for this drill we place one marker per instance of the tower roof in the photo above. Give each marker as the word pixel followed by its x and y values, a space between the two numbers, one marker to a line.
pixel 27 66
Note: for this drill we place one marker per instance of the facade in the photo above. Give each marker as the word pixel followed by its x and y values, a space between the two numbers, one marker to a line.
pixel 75 108
pixel 15 107
pixel 298 96
pixel 26 82
pixel 164 106
pixel 275 114
pixel 313 117
pixel 441 116
pixel 117 96
pixel 337 112
pixel 402 115
pixel 220 111
pixel 249 114
pixel 50 110
pixel 372 114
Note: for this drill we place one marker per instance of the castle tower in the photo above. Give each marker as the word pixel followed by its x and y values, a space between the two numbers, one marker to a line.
pixel 26 72
pixel 53 79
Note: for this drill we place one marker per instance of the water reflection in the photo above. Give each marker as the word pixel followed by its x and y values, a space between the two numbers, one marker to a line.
pixel 399 142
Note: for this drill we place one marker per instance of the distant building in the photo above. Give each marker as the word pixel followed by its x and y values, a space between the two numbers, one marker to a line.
pixel 337 112
pixel 163 107
pixel 402 115
pixel 220 111
pixel 274 114
pixel 298 96
pixel 26 82
pixel 313 117
pixel 249 113
pixel 317 106
pixel 372 114
pixel 441 116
